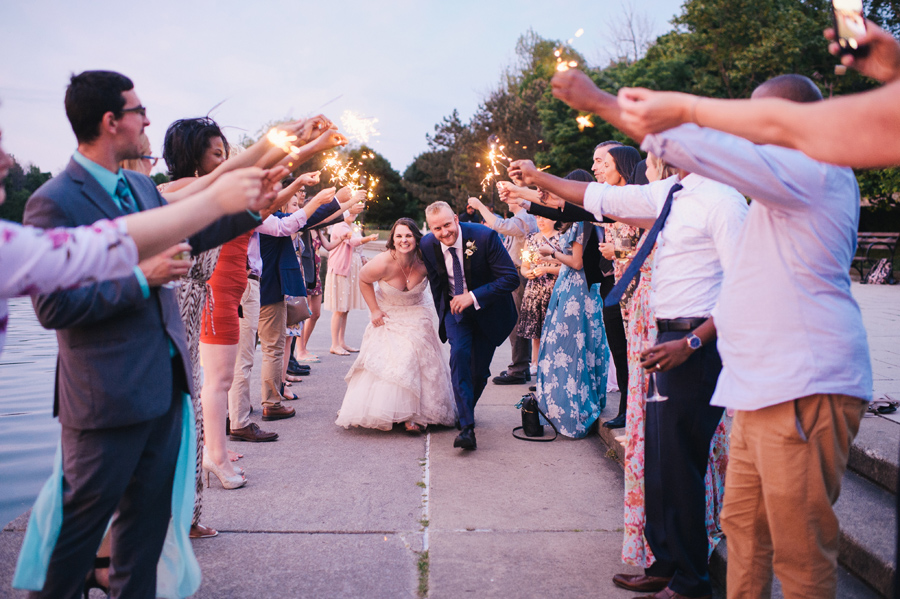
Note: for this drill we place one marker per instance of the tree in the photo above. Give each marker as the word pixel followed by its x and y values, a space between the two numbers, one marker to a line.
pixel 19 186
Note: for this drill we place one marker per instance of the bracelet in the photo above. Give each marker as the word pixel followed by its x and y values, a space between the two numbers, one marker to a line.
pixel 693 111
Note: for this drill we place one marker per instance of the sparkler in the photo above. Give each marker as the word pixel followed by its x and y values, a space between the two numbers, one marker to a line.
pixel 358 128
pixel 496 157
pixel 561 63
pixel 583 121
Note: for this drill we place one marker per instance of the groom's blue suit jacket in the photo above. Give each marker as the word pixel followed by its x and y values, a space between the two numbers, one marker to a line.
pixel 490 275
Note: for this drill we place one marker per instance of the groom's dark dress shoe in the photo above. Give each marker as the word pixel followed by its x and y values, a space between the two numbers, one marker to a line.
pixel 466 439
pixel 506 378
pixel 640 582
pixel 617 422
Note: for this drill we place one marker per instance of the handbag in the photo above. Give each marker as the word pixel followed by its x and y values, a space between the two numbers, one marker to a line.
pixel 531 421
pixel 296 309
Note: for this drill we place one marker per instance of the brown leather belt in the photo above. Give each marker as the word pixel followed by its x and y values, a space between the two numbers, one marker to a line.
pixel 675 325
pixel 253 276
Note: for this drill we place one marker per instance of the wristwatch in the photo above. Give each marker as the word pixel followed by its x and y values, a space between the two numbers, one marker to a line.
pixel 693 342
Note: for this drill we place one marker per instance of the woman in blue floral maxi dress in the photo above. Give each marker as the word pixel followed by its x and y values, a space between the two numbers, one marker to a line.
pixel 573 361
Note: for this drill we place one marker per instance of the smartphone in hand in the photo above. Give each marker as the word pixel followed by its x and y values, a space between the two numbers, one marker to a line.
pixel 849 26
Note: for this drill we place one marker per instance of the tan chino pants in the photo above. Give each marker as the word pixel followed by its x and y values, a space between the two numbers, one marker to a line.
pixel 784 475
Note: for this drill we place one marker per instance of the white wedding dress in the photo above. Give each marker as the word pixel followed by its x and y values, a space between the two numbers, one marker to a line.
pixel 402 373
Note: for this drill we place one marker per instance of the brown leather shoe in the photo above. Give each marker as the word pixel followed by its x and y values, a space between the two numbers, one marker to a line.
pixel 253 434
pixel 278 412
pixel 668 593
pixel 640 582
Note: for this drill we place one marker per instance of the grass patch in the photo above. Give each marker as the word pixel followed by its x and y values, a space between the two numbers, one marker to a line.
pixel 424 522
pixel 420 484
pixel 423 574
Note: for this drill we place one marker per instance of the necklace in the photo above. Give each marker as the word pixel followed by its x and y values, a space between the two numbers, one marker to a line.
pixel 405 272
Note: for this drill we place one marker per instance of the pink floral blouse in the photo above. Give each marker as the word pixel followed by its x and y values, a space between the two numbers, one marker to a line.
pixel 43 261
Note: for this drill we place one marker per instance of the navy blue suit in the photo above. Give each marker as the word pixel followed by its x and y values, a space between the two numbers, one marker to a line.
pixel 492 277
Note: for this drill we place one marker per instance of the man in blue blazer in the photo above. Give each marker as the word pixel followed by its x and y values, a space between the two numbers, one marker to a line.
pixel 472 279
pixel 123 361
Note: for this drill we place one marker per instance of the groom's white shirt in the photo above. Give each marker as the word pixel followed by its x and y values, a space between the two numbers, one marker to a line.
pixel 448 262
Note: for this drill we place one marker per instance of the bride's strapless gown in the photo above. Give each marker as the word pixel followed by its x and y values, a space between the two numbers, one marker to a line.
pixel 402 372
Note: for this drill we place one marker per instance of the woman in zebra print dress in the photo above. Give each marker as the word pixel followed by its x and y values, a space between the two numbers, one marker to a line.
pixel 188 152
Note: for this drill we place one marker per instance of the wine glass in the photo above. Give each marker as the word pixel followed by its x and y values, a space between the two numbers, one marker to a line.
pixel 624 248
pixel 653 394
pixel 179 256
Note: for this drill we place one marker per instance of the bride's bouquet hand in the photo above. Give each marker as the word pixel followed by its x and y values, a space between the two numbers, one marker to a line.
pixel 378 317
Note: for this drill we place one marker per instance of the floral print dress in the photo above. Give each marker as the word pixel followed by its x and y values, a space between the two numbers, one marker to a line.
pixel 46 260
pixel 642 329
pixel 573 360
pixel 537 292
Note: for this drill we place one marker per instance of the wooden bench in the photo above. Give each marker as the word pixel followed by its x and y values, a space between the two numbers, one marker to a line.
pixel 865 243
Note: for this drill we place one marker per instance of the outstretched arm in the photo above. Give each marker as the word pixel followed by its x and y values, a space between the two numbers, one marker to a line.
pixel 577 90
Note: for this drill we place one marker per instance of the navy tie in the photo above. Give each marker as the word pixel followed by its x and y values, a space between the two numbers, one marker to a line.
pixel 457 277
pixel 126 200
pixel 615 294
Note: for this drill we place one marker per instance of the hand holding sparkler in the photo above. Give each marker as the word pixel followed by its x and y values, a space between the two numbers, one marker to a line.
pixel 309 179
pixel 314 127
pixel 576 89
pixel 523 170
pixel 321 198
pixel 476 204
pixel 356 208
pixel 359 196
pixel 328 140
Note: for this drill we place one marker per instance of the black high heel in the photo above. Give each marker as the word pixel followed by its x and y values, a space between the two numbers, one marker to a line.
pixel 91 581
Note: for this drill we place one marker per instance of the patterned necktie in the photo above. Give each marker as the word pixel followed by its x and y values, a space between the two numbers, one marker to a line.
pixel 615 294
pixel 126 200
pixel 457 277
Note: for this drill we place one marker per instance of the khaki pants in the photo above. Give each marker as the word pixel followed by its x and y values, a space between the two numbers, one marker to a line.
pixel 239 394
pixel 272 319
pixel 784 475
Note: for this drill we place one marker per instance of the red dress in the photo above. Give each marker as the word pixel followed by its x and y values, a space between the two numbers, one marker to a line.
pixel 227 285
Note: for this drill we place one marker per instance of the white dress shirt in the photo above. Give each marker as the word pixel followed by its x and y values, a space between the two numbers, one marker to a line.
pixel 695 247
pixel 788 325
pixel 448 262
pixel 276 227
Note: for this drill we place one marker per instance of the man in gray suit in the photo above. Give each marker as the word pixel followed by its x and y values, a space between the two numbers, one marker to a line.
pixel 123 362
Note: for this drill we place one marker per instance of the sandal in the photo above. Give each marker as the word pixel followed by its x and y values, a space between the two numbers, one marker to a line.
pixel 310 360
pixel 198 531
pixel 339 353
pixel 414 428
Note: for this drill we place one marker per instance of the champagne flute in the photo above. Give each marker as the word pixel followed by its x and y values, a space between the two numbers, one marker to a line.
pixel 624 248
pixel 653 394
pixel 186 255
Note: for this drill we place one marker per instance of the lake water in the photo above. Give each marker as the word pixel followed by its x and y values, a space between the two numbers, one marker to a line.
pixel 28 432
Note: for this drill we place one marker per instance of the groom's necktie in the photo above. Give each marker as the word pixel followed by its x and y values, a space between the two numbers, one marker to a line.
pixel 615 294
pixel 458 280
pixel 126 200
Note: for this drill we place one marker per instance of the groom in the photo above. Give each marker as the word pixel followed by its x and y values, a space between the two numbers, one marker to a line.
pixel 472 279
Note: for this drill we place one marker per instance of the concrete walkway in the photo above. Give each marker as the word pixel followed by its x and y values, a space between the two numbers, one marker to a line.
pixel 329 512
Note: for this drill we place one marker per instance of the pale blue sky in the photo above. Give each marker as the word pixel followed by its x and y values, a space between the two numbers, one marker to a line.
pixel 407 63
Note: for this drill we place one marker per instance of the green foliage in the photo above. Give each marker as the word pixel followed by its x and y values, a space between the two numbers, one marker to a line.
pixel 392 200
pixel 160 178
pixel 19 186
pixel 717 48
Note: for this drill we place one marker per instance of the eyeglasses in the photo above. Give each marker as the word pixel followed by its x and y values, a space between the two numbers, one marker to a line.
pixel 141 110
pixel 153 160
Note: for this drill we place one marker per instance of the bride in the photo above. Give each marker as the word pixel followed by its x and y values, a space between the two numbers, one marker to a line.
pixel 401 373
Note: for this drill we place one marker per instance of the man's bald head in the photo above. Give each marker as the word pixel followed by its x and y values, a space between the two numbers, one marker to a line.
pixel 795 88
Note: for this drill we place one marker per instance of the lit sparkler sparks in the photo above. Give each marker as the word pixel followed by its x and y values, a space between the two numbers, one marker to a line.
pixel 583 121
pixel 496 157
pixel 351 174
pixel 529 256
pixel 561 63
pixel 358 128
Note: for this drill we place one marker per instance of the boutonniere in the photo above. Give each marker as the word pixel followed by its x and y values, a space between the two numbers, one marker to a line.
pixel 471 248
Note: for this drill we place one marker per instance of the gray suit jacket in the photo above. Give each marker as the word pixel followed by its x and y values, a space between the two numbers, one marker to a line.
pixel 114 367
